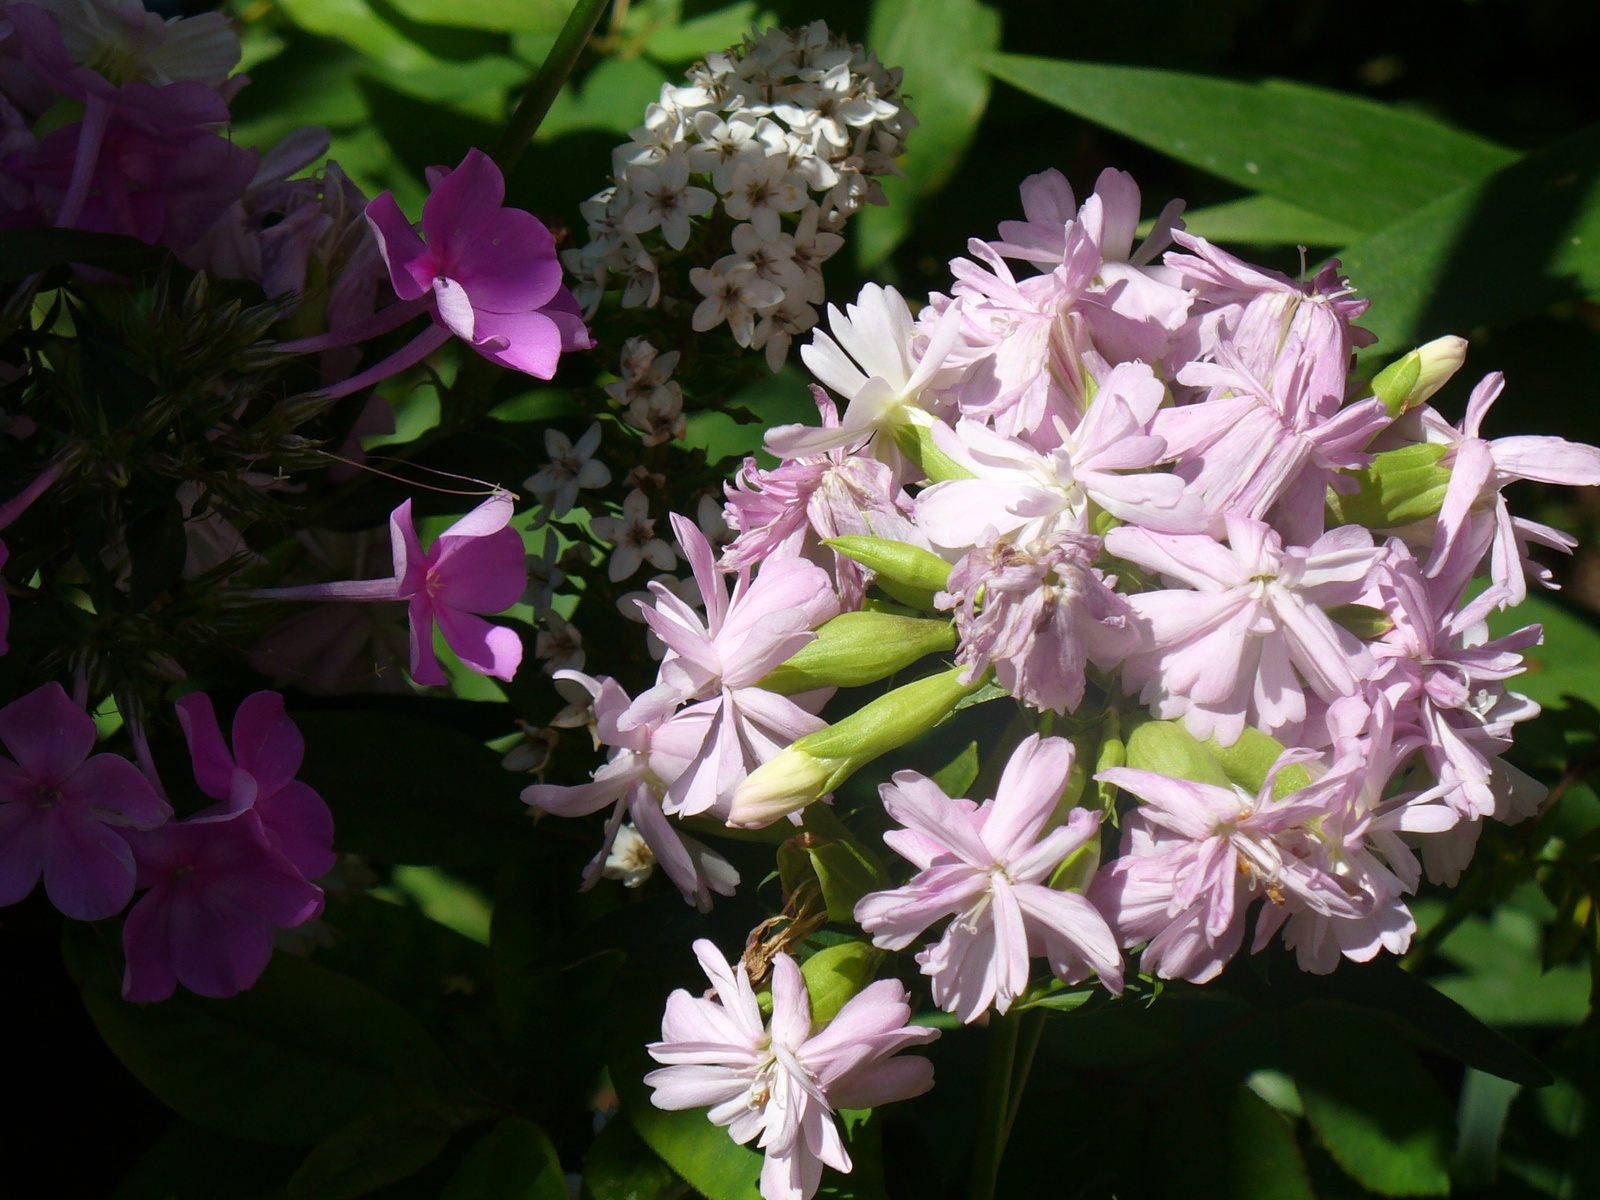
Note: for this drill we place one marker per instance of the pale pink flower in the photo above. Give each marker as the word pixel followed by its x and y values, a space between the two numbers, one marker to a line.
pixel 1230 645
pixel 986 867
pixel 718 661
pixel 781 1084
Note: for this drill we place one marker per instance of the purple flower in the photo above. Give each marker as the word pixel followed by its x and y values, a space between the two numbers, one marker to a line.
pixel 60 807
pixel 783 1083
pixel 1224 650
pixel 218 888
pixel 1038 614
pixel 986 867
pixel 634 778
pixel 718 661
pixel 1194 855
pixel 476 566
pixel 260 775
pixel 492 272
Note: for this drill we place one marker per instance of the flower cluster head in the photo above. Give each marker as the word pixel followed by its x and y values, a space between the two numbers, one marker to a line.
pixel 747 172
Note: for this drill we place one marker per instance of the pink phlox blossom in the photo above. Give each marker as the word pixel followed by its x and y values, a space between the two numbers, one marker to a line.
pixel 1474 519
pixel 259 774
pixel 1038 613
pixel 490 274
pixel 880 364
pixel 633 779
pixel 1031 495
pixel 1229 643
pixel 62 806
pixel 986 866
pixel 217 890
pixel 780 1084
pixel 788 510
pixel 1194 855
pixel 719 659
pixel 1258 445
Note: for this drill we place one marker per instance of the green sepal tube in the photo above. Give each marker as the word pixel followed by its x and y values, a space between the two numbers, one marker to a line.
pixel 836 973
pixel 819 762
pixel 858 648
pixel 1402 487
pixel 1249 760
pixel 916 442
pixel 1394 384
pixel 1167 748
pixel 907 573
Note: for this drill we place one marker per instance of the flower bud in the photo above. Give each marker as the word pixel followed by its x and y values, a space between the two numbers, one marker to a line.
pixel 1401 487
pixel 915 440
pixel 1410 380
pixel 835 974
pixel 1249 761
pixel 909 573
pixel 858 648
pixel 821 761
pixel 1167 748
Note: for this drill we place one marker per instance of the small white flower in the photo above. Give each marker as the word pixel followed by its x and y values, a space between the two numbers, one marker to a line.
pixel 777 329
pixel 734 297
pixel 644 282
pixel 571 467
pixel 559 645
pixel 634 536
pixel 544 575
pixel 763 185
pixel 631 860
pixel 123 42
pixel 766 250
pixel 663 197
pixel 724 144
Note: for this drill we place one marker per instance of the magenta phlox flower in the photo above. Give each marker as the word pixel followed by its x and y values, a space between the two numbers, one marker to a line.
pixel 987 866
pixel 1474 520
pixel 489 274
pixel 259 774
pixel 218 888
pixel 1030 494
pixel 780 1085
pixel 1038 614
pixel 61 807
pixel 1257 445
pixel 476 566
pixel 1229 643
pixel 1194 855
pixel 718 660
pixel 633 779
pixel 788 510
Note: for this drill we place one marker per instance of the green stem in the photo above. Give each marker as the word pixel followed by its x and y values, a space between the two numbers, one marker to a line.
pixel 547 84
pixel 1027 1045
pixel 994 1107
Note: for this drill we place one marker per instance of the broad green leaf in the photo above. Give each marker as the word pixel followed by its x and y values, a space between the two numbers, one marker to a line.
pixel 1503 981
pixel 514 1162
pixel 1262 221
pixel 938 43
pixel 836 973
pixel 409 790
pixel 25 252
pixel 1263 1154
pixel 956 776
pixel 1566 663
pixel 189 1162
pixel 612 98
pixel 1496 249
pixel 1480 1120
pixel 374 1150
pixel 301 1054
pixel 1371 1103
pixel 619 1166
pixel 501 16
pixel 452 902
pixel 1342 157
pixel 685 41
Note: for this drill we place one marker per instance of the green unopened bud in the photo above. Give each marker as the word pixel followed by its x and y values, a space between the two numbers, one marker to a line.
pixel 834 974
pixel 1249 760
pixel 909 573
pixel 858 648
pixel 1113 753
pixel 1167 748
pixel 1077 870
pixel 1400 488
pixel 1410 380
pixel 916 443
pixel 819 762
pixel 1362 620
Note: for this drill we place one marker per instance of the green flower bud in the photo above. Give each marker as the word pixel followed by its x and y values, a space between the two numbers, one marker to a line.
pixel 835 974
pixel 915 440
pixel 908 573
pixel 1167 748
pixel 819 762
pixel 1248 761
pixel 857 648
pixel 1362 620
pixel 1401 487
pixel 1410 380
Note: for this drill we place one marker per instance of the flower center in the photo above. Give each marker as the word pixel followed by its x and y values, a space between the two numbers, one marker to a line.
pixel 46 795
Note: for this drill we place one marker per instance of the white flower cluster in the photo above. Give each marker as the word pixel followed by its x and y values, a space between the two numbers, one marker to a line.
pixel 794 124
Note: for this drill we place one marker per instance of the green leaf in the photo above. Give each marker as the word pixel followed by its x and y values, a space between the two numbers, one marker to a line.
pixel 452 902
pixel 1566 663
pixel 301 1054
pixel 25 252
pixel 1500 248
pixel 956 776
pixel 1264 1156
pixel 619 1166
pixel 1371 1102
pixel 501 16
pixel 514 1162
pixel 188 1162
pixel 612 98
pixel 836 973
pixel 688 40
pixel 374 1150
pixel 404 789
pixel 1345 158
pixel 1262 221
pixel 938 43
pixel 1502 980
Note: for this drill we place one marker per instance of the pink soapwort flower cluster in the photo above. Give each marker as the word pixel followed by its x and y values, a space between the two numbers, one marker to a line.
pixel 779 1083
pixel 96 828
